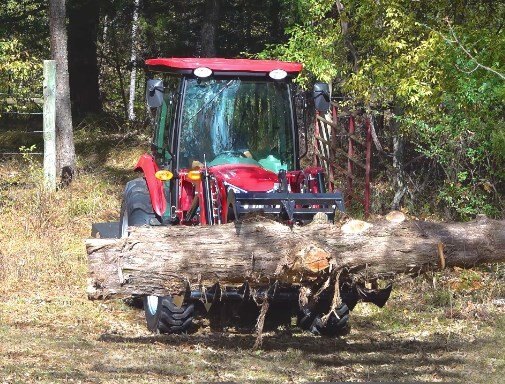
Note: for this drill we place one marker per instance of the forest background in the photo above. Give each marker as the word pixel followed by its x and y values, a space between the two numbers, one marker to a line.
pixel 430 72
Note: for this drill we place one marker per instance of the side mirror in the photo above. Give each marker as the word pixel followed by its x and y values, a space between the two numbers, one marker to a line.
pixel 154 93
pixel 321 95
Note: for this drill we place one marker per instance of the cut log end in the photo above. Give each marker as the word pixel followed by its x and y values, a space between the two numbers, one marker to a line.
pixel 355 227
pixel 311 259
pixel 395 217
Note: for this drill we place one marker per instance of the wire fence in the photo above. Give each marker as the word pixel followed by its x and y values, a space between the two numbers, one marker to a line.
pixel 35 105
pixel 24 106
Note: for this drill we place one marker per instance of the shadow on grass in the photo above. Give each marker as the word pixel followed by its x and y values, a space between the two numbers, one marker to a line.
pixel 282 341
pixel 384 359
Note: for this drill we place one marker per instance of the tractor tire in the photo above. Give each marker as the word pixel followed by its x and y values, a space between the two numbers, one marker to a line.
pixel 336 325
pixel 162 316
pixel 136 209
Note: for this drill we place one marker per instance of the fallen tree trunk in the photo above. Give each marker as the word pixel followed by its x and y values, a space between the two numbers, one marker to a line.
pixel 162 260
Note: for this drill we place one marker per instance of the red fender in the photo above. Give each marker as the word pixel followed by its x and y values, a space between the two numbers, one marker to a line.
pixel 148 166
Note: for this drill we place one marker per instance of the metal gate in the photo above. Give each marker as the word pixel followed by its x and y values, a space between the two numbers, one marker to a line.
pixel 343 147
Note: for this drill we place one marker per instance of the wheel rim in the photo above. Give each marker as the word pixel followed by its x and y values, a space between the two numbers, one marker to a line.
pixel 152 304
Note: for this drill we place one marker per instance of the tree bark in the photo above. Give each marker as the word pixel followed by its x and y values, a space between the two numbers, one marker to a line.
pixel 65 149
pixel 209 28
pixel 344 25
pixel 159 260
pixel 82 51
pixel 399 175
pixel 133 60
pixel 398 166
pixel 275 18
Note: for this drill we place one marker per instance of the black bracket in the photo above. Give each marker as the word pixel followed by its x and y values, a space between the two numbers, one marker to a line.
pixel 288 208
pixel 283 181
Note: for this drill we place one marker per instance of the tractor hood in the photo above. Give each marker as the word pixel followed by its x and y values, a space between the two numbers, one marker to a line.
pixel 247 177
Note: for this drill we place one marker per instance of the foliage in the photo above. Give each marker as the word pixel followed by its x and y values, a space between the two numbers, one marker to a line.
pixel 22 41
pixel 26 21
pixel 20 73
pixel 431 69
pixel 427 61
pixel 312 41
pixel 23 36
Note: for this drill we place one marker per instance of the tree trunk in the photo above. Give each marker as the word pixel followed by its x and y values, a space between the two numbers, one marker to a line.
pixel 276 20
pixel 398 163
pixel 121 88
pixel 65 149
pixel 133 59
pixel 399 175
pixel 344 26
pixel 209 28
pixel 159 260
pixel 82 51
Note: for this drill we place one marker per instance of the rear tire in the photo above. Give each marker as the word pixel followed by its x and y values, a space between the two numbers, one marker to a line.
pixel 162 316
pixel 136 209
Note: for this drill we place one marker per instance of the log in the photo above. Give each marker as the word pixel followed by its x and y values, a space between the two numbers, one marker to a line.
pixel 163 260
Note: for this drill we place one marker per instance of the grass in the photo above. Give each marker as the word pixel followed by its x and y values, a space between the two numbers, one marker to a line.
pixel 441 327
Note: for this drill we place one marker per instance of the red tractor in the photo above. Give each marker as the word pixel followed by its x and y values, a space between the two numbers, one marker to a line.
pixel 225 145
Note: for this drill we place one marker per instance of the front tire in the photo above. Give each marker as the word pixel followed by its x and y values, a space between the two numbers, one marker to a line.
pixel 310 317
pixel 136 209
pixel 336 325
pixel 162 315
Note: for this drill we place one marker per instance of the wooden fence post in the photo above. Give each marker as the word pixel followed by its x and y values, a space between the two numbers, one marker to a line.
pixel 49 130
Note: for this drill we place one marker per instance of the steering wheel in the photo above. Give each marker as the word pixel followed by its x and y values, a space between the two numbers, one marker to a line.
pixel 232 152
pixel 234 156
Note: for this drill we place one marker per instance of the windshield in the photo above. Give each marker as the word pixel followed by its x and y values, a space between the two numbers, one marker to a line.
pixel 237 121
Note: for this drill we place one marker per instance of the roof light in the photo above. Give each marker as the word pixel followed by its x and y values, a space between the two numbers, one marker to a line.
pixel 202 72
pixel 278 74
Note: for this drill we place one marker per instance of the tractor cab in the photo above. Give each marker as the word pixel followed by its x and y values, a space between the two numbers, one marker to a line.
pixel 223 117
pixel 225 143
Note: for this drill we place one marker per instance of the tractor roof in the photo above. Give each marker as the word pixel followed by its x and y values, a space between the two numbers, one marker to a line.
pixel 223 66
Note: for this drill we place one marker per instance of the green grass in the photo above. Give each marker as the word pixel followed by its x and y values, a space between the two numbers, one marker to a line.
pixel 50 332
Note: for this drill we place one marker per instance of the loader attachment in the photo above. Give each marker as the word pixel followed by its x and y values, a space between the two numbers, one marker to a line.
pixel 352 293
pixel 293 207
pixel 109 230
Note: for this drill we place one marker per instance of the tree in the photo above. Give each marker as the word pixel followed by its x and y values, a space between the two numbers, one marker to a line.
pixel 65 149
pixel 263 251
pixel 432 72
pixel 209 28
pixel 133 59
pixel 83 24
